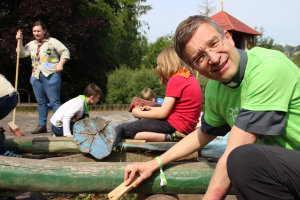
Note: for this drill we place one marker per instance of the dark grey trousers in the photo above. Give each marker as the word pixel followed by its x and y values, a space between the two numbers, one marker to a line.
pixel 264 172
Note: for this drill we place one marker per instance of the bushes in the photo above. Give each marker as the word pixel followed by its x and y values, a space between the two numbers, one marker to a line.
pixel 297 60
pixel 124 83
pixel 202 80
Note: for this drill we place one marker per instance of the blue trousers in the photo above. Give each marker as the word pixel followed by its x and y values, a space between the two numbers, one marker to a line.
pixel 46 88
pixel 59 131
pixel 7 104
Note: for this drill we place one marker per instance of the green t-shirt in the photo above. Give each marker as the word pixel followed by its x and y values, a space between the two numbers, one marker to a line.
pixel 271 83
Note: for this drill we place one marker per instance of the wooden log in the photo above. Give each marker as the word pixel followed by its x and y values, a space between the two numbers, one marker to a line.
pixel 122 157
pixel 119 107
pixel 99 135
pixel 214 149
pixel 18 145
pixel 91 107
pixel 48 176
pixel 48 145
pixel 157 197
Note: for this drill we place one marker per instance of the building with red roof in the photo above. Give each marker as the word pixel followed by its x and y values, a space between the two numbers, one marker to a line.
pixel 242 35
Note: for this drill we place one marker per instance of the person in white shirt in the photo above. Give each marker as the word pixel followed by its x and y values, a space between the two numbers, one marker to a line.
pixel 73 110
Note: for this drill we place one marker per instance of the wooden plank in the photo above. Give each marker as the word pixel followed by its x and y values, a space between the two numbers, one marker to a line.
pixel 134 141
pixel 99 135
pixel 48 176
pixel 121 189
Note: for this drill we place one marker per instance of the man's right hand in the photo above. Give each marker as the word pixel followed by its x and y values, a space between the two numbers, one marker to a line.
pixel 145 170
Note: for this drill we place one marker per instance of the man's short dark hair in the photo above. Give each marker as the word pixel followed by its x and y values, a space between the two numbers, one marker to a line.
pixel 92 89
pixel 187 28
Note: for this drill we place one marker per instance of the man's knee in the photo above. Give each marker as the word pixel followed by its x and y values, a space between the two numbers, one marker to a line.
pixel 240 162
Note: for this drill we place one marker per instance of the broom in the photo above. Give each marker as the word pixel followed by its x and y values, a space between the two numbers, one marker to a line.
pixel 12 126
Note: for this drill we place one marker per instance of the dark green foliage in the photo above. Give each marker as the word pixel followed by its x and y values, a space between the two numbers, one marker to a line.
pixel 202 80
pixel 125 83
pixel 155 48
pixel 297 60
pixel 278 47
pixel 117 85
pixel 146 78
pixel 101 35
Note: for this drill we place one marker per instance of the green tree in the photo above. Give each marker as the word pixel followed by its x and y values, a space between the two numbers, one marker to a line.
pixel 155 48
pixel 278 47
pixel 125 83
pixel 208 10
pixel 100 34
pixel 296 60
pixel 262 41
pixel 117 85
pixel 122 42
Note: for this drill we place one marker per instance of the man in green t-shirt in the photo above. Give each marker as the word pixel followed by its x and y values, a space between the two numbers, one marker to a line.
pixel 254 95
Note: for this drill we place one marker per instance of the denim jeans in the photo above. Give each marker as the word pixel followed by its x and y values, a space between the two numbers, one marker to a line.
pixel 46 88
pixel 59 131
pixel 7 104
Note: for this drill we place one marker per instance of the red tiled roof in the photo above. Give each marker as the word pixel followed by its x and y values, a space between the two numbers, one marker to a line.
pixel 228 22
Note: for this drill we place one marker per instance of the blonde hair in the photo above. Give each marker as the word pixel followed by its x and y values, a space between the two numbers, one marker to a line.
pixel 168 63
pixel 147 94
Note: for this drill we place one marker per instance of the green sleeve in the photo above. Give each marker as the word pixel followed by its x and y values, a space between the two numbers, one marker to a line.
pixel 269 86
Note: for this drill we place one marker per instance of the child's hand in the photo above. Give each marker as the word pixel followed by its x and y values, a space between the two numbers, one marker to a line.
pixel 146 108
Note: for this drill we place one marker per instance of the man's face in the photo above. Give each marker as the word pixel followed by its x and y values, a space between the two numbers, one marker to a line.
pixel 221 65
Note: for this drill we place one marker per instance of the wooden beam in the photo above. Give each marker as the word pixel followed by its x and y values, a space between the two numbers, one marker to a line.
pixel 48 145
pixel 57 145
pixel 121 157
pixel 18 145
pixel 48 176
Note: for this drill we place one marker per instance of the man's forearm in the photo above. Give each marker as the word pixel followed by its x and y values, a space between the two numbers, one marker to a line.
pixel 219 184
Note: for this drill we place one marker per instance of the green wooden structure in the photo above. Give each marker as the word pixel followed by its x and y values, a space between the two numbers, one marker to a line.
pixel 73 177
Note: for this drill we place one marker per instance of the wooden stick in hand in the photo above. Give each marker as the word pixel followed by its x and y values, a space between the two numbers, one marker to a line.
pixel 121 189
